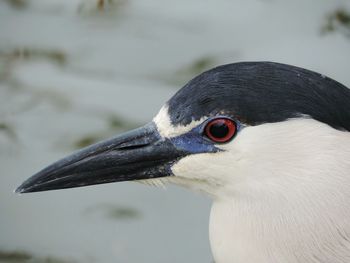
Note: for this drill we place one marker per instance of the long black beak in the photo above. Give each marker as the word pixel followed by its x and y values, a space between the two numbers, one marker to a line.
pixel 138 154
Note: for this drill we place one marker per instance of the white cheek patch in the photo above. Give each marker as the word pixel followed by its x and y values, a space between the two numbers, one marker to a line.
pixel 207 173
pixel 165 127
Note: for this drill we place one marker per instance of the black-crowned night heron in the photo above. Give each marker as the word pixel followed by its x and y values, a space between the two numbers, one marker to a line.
pixel 270 143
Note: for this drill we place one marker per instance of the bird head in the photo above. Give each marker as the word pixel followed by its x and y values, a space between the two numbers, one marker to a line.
pixel 237 125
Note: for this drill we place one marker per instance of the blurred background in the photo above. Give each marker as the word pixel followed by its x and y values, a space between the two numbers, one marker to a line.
pixel 76 71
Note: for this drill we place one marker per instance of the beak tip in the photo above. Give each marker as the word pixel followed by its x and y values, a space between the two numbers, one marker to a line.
pixel 24 188
pixel 18 190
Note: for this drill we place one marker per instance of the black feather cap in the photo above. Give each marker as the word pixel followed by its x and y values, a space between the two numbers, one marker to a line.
pixel 262 92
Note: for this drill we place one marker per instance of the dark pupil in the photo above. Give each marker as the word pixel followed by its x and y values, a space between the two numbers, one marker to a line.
pixel 219 130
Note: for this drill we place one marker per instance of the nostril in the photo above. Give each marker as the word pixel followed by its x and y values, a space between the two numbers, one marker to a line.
pixel 132 146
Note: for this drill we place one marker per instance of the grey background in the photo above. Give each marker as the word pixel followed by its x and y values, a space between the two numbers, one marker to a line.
pixel 74 71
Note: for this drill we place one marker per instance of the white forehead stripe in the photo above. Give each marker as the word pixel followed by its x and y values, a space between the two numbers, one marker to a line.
pixel 167 130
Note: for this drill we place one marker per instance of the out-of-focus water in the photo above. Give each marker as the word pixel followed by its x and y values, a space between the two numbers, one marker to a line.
pixel 72 73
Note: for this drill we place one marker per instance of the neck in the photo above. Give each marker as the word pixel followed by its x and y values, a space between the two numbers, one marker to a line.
pixel 290 206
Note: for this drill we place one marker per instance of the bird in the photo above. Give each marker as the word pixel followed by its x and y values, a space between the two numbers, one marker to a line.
pixel 269 143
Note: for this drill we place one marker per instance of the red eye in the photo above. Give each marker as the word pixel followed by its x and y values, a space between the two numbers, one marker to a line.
pixel 221 130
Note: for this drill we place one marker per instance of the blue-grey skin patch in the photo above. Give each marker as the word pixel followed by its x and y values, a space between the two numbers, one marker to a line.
pixel 195 141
